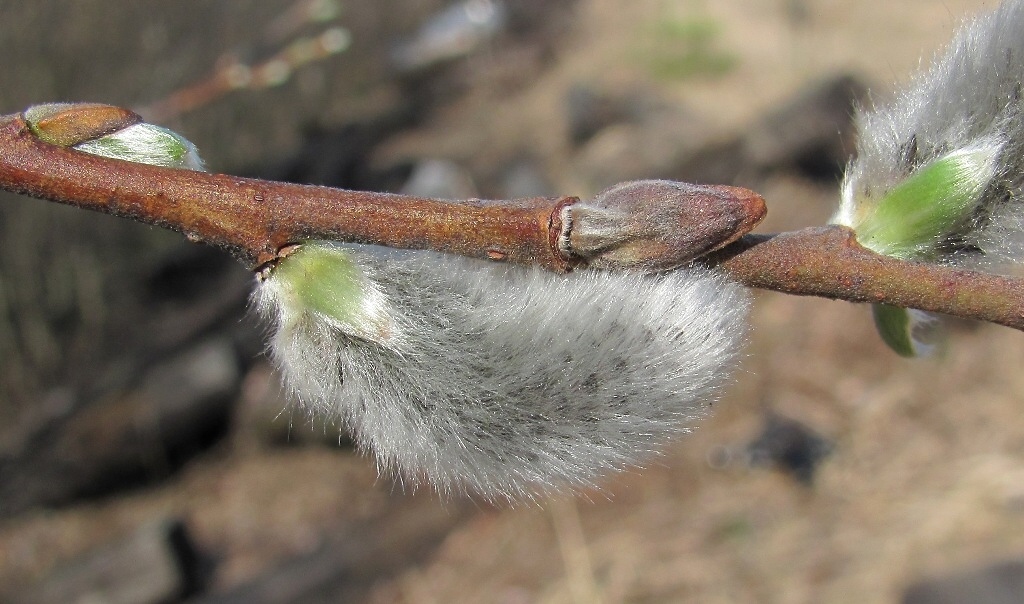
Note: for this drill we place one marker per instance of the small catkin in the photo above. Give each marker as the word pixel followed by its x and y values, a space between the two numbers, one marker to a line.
pixel 506 381
pixel 969 98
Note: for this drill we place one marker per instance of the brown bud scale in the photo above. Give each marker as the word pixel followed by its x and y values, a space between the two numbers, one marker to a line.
pixel 70 124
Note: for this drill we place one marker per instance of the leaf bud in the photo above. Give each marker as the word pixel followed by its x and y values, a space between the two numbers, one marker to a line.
pixel 657 225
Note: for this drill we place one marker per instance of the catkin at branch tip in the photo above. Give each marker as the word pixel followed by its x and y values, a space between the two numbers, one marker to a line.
pixel 507 381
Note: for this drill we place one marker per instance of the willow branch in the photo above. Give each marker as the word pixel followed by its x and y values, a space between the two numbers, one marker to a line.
pixel 256 219
pixel 828 262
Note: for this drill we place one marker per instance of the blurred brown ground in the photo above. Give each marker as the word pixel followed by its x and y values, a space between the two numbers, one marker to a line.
pixel 927 474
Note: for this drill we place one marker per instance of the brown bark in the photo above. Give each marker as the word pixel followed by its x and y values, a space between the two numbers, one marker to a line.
pixel 828 262
pixel 256 219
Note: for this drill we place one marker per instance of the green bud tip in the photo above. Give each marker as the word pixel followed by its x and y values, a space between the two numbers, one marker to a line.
pixel 111 131
pixel 909 333
pixel 324 278
pixel 929 205
pixel 146 144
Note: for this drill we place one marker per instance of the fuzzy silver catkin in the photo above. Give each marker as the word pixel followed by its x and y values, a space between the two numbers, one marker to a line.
pixel 969 97
pixel 509 381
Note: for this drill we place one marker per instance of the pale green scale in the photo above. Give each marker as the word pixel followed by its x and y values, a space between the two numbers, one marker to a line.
pixel 929 205
pixel 894 326
pixel 910 333
pixel 914 216
pixel 168 144
pixel 147 144
pixel 325 278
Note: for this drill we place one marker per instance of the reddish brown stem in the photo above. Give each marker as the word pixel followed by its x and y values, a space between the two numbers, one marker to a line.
pixel 254 219
pixel 828 262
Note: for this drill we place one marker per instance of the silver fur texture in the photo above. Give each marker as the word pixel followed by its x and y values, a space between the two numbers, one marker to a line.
pixel 969 97
pixel 513 382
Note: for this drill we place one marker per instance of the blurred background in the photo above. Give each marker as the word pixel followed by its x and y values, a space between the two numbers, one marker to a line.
pixel 148 454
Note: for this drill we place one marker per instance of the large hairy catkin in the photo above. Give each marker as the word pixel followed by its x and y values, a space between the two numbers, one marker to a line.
pixel 968 103
pixel 506 381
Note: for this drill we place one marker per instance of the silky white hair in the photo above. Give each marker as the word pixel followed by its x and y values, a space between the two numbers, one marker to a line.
pixel 147 144
pixel 509 381
pixel 970 97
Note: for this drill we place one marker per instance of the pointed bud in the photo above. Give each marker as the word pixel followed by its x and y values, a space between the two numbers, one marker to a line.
pixel 918 214
pixel 146 144
pixel 68 124
pixel 658 225
pixel 908 332
pixel 112 132
pixel 939 172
